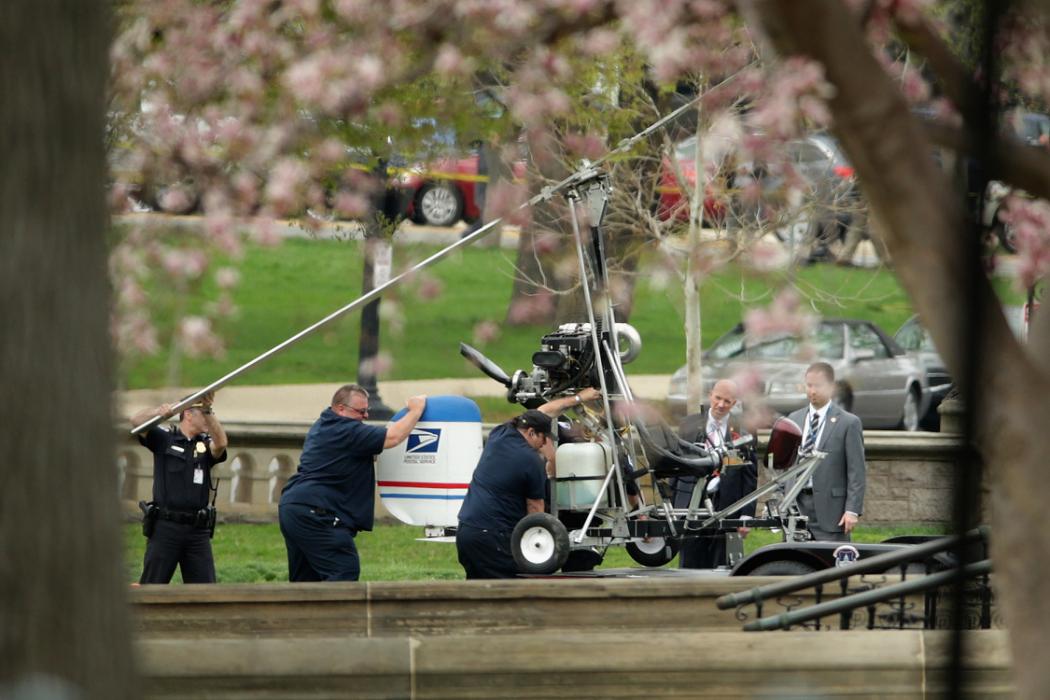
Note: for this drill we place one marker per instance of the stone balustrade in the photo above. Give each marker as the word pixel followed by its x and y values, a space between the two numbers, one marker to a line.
pixel 910 475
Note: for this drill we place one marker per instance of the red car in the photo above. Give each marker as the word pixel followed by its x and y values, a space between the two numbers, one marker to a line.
pixel 672 204
pixel 442 192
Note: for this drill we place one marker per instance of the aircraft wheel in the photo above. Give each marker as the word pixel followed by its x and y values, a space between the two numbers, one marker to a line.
pixel 656 552
pixel 540 544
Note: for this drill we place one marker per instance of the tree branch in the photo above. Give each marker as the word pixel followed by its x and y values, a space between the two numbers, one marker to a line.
pixel 1027 167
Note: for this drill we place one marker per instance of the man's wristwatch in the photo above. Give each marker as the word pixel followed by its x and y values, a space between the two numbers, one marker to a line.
pixel 578 399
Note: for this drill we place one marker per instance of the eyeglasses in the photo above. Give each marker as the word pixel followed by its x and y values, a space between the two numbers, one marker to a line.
pixel 360 411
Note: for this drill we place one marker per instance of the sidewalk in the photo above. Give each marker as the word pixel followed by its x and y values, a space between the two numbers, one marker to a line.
pixel 302 403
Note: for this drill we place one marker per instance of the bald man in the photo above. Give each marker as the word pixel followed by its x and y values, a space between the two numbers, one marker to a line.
pixel 715 428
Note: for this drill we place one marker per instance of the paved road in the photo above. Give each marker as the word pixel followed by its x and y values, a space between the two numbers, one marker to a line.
pixel 301 403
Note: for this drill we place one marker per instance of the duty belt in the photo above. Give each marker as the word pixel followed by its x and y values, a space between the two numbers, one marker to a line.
pixel 178 516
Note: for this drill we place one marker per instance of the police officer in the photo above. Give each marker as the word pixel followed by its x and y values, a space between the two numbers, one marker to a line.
pixel 179 522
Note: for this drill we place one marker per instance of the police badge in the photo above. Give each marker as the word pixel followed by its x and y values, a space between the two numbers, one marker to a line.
pixel 200 448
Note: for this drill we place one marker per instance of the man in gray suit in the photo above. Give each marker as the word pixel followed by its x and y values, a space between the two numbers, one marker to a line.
pixel 834 500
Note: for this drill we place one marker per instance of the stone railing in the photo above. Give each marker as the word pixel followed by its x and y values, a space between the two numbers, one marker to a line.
pixel 910 475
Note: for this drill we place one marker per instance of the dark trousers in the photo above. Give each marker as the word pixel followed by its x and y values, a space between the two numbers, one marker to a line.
pixel 815 527
pixel 178 544
pixel 485 553
pixel 320 548
pixel 706 552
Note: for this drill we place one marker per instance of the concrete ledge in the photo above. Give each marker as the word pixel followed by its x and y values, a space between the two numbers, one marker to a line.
pixel 559 665
pixel 440 608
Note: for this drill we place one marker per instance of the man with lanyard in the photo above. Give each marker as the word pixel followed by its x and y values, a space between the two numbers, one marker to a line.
pixel 332 495
pixel 179 522
pixel 716 430
pixel 833 500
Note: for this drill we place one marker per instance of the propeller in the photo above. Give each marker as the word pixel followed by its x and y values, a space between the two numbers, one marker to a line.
pixel 484 364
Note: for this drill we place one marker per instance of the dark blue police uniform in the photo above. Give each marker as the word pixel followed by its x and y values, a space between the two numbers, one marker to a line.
pixel 508 472
pixel 330 498
pixel 181 484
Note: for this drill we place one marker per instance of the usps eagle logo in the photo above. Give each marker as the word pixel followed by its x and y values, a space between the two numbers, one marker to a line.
pixel 423 441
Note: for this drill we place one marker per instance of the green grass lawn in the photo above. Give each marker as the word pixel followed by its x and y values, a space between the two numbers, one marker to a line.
pixel 287 288
pixel 255 553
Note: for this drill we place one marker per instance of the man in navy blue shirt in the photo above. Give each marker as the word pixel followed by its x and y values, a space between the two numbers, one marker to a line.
pixel 332 496
pixel 507 485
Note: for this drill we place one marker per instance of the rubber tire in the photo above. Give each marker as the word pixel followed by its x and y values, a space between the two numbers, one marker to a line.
pixel 450 217
pixel 539 544
pixel 916 420
pixel 782 567
pixel 656 558
pixel 843 395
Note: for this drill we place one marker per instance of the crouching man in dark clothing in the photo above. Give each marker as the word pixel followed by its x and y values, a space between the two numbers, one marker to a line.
pixel 508 484
pixel 179 522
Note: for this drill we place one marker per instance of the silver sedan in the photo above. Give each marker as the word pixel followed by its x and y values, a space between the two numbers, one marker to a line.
pixel 882 384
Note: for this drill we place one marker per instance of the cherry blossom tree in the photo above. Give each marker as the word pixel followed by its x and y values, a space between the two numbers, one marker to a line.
pixel 251 106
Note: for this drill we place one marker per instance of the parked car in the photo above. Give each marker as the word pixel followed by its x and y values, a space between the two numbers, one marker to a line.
pixel 443 192
pixel 889 388
pixel 819 222
pixel 917 342
pixel 672 204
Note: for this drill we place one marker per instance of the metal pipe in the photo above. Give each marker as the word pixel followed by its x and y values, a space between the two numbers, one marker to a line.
pixel 876 595
pixel 611 434
pixel 877 563
pixel 360 301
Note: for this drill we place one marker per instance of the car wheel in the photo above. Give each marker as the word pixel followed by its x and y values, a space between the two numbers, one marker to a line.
pixel 843 395
pixel 910 418
pixel 539 544
pixel 656 552
pixel 782 567
pixel 439 204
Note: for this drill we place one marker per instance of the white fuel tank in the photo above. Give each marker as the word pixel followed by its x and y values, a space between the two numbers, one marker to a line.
pixel 581 467
pixel 423 480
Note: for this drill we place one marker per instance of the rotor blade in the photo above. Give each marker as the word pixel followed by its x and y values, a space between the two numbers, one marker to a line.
pixel 484 364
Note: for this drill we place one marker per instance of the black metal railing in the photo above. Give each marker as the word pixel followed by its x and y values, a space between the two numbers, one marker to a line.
pixel 877 593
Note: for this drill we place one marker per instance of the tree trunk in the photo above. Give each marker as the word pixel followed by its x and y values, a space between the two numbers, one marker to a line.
pixel 931 242
pixel 64 627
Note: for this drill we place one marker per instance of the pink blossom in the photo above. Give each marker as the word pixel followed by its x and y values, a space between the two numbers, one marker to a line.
pixel 767 256
pixel 1030 223
pixel 430 288
pixel 379 365
pixel 285 189
pixel 486 332
pixel 175 199
pixel 352 205
pixel 197 337
pixel 449 61
pixel 505 199
pixel 784 316
pixel 586 146
pixel 531 309
pixel 226 277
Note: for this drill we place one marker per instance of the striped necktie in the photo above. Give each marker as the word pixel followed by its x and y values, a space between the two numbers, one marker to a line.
pixel 811 438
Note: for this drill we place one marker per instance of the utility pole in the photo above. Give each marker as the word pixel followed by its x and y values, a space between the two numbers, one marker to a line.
pixel 379 232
